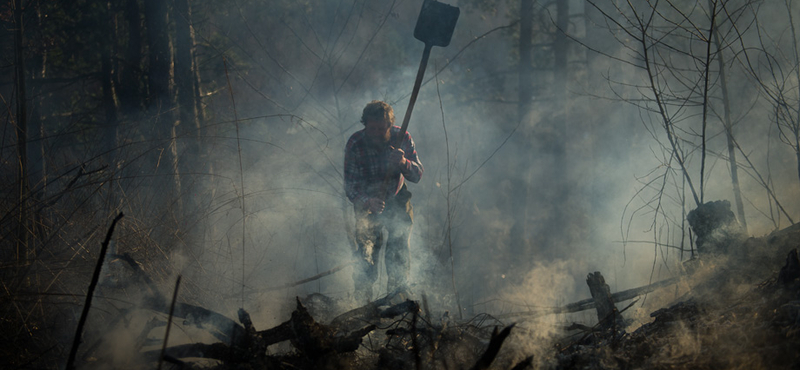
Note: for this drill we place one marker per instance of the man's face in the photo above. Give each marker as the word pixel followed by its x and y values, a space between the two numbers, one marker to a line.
pixel 377 132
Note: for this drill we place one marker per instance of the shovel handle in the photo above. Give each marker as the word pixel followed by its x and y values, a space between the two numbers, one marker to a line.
pixel 398 141
pixel 417 84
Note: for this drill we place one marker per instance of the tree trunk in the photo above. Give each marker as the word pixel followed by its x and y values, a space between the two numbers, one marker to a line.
pixel 37 173
pixel 737 193
pixel 160 105
pixel 130 93
pixel 109 101
pixel 21 130
pixel 184 79
pixel 525 64
pixel 188 130
pixel 558 121
pixel 159 55
pixel 519 196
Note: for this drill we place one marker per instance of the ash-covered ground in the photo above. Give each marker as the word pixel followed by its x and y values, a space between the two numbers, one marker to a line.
pixel 736 308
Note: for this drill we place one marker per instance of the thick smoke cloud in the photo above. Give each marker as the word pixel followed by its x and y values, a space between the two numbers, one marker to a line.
pixel 590 164
pixel 297 218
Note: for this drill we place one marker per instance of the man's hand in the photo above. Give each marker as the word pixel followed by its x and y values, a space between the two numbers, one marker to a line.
pixel 375 205
pixel 397 157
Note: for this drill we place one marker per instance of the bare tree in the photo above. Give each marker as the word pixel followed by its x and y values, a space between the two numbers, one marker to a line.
pixel 779 79
pixel 727 122
pixel 679 48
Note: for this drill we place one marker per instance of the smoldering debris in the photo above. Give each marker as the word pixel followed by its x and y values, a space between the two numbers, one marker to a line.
pixel 398 335
pixel 758 330
pixel 724 318
pixel 724 321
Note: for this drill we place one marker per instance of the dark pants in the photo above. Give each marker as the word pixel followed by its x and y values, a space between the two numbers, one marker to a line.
pixel 397 219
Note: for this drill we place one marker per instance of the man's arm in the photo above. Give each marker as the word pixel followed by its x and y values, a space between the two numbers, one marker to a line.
pixel 412 170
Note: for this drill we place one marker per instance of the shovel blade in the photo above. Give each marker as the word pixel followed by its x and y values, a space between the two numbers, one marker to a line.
pixel 436 23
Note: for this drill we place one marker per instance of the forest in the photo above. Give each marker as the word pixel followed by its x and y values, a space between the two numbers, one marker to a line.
pixel 172 180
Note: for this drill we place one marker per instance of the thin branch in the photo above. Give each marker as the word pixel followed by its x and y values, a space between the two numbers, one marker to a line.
pixel 89 293
pixel 169 321
pixel 241 174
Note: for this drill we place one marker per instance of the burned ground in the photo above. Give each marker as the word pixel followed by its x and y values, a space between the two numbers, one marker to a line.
pixel 739 310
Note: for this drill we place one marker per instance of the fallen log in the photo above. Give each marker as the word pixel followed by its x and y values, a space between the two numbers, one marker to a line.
pixel 366 314
pixel 312 339
pixel 218 325
pixel 316 340
pixel 596 327
pixel 399 309
pixel 242 342
pixel 588 304
pixel 225 328
pixel 369 312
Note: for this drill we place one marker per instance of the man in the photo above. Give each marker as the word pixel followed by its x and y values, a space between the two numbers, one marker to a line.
pixel 380 202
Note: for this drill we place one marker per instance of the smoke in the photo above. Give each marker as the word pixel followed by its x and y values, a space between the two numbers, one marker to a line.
pixel 289 177
pixel 594 175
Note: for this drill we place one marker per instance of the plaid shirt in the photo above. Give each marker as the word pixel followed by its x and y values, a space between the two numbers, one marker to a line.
pixel 365 167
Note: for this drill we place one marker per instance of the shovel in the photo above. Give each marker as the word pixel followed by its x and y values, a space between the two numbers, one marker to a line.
pixel 435 27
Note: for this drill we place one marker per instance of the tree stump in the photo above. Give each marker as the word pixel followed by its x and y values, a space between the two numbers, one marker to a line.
pixel 715 227
pixel 608 316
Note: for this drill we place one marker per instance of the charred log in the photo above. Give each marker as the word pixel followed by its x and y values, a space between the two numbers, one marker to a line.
pixel 399 309
pixel 312 339
pixel 607 314
pixel 590 303
pixel 220 326
pixel 317 340
pixel 371 312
